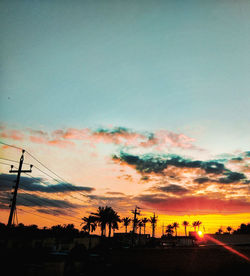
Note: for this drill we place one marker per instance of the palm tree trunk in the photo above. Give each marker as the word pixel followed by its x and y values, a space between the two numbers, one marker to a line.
pixel 185 231
pixel 144 229
pixel 109 230
pixel 126 229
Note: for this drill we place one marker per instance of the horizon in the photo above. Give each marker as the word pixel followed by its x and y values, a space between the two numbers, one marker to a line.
pixel 123 104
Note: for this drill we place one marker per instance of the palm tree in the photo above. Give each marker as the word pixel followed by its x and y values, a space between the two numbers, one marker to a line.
pixel 144 221
pixel 220 231
pixel 153 221
pixel 140 225
pixel 185 224
pixel 126 221
pixel 198 223
pixel 229 229
pixel 175 226
pixel 135 223
pixel 113 219
pixel 194 224
pixel 169 230
pixel 102 218
pixel 90 223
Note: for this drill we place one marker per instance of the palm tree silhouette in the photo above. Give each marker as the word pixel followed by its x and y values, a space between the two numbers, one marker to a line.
pixel 90 223
pixel 144 221
pixel 102 218
pixel 126 221
pixel 185 224
pixel 229 229
pixel 198 223
pixel 169 230
pixel 135 223
pixel 175 226
pixel 153 221
pixel 140 225
pixel 194 224
pixel 112 219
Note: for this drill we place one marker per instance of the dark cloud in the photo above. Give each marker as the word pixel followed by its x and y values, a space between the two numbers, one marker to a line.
pixel 54 212
pixel 247 153
pixel 149 163
pixel 202 180
pixel 35 185
pixel 173 189
pixel 115 193
pixel 232 177
pixel 32 200
pixel 115 130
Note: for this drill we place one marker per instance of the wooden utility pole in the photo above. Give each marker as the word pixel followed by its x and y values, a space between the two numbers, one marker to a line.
pixel 135 212
pixel 134 220
pixel 13 201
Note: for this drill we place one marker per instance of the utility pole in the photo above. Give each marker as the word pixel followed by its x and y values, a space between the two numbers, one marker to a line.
pixel 13 201
pixel 134 220
pixel 135 212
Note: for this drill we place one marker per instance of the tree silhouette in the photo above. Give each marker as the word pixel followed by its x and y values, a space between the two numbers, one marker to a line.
pixel 185 224
pixel 90 223
pixel 194 224
pixel 229 229
pixel 140 225
pixel 175 226
pixel 102 218
pixel 113 219
pixel 144 221
pixel 169 230
pixel 198 223
pixel 153 221
pixel 126 221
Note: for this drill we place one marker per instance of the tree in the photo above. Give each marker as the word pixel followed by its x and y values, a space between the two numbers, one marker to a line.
pixel 102 218
pixel 153 221
pixel 140 225
pixel 90 223
pixel 194 224
pixel 169 230
pixel 126 221
pixel 144 221
pixel 175 226
pixel 185 224
pixel 135 223
pixel 198 223
pixel 229 229
pixel 113 219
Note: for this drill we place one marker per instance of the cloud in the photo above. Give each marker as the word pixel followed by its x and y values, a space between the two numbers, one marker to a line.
pixel 158 140
pixel 12 134
pixel 172 189
pixel 33 200
pixel 193 204
pixel 149 163
pixel 35 184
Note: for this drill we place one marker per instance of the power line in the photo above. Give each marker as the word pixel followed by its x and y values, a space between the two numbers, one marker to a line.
pixel 13 160
pixel 10 145
pixel 44 199
pixel 38 215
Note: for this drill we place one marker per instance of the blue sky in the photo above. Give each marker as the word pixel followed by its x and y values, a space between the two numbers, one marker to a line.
pixel 146 65
pixel 141 102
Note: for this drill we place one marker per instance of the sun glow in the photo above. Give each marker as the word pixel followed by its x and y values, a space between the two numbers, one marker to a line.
pixel 200 234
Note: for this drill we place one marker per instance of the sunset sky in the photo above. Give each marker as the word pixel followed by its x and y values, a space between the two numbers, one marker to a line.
pixel 126 103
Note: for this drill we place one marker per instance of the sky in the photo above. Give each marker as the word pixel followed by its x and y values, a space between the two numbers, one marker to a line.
pixel 130 103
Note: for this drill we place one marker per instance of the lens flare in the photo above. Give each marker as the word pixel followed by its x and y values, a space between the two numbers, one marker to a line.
pixel 228 248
